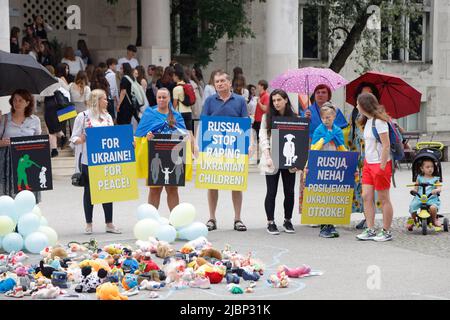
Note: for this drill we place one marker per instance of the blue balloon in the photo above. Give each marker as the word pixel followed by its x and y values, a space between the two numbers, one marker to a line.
pixel 36 242
pixel 193 231
pixel 8 208
pixel 12 242
pixel 166 233
pixel 24 202
pixel 147 211
pixel 28 223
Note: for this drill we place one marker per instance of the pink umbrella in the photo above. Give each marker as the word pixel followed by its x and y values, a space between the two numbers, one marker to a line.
pixel 305 80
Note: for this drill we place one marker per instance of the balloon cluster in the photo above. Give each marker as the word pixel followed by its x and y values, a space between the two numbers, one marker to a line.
pixel 180 224
pixel 23 226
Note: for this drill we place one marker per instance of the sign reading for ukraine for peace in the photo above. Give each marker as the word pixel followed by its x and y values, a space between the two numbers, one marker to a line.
pixel 328 193
pixel 223 154
pixel 112 164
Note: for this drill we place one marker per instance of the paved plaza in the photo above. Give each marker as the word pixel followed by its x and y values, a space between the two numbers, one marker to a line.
pixel 410 267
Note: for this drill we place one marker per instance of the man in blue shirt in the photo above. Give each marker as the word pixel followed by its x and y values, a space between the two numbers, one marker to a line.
pixel 225 103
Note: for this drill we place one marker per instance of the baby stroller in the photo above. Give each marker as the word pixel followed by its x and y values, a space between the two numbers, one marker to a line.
pixel 427 151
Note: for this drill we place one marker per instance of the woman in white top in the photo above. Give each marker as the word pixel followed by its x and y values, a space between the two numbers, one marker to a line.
pixel 75 63
pixel 240 87
pixel 20 122
pixel 377 170
pixel 80 91
pixel 96 116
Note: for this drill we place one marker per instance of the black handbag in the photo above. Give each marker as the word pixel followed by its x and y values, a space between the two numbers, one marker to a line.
pixel 78 177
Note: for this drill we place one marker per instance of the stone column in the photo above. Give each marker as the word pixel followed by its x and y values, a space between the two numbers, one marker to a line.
pixel 155 33
pixel 4 25
pixel 282 38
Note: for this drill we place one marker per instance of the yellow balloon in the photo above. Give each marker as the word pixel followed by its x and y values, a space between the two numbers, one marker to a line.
pixel 182 215
pixel 50 233
pixel 7 225
pixel 146 228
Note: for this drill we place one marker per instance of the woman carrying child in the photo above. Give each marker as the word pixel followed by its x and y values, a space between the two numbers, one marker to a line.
pixel 279 105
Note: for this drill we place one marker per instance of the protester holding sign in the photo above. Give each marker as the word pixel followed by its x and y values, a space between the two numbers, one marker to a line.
pixel 279 105
pixel 377 168
pixel 328 137
pixel 160 120
pixel 95 116
pixel 21 122
pixel 225 104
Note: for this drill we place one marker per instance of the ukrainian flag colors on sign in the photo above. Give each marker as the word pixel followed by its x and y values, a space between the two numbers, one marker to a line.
pixel 67 113
pixel 328 194
pixel 112 164
pixel 223 154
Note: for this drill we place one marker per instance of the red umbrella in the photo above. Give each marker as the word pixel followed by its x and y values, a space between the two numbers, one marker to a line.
pixel 399 98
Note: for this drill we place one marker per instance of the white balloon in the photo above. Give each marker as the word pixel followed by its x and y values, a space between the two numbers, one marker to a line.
pixel 8 208
pixel 24 202
pixel 166 233
pixel 36 242
pixel 28 223
pixel 50 233
pixel 44 222
pixel 147 211
pixel 37 211
pixel 163 221
pixel 146 228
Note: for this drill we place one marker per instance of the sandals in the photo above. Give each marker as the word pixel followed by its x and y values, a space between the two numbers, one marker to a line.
pixel 239 226
pixel 211 224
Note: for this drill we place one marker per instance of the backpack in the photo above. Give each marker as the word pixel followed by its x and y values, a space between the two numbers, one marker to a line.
pixel 189 95
pixel 396 141
pixel 395 138
pixel 138 98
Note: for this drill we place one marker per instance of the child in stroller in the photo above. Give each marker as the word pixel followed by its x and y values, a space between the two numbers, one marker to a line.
pixel 427 176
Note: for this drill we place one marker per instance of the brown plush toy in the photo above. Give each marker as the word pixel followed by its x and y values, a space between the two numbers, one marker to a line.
pixel 58 252
pixel 211 253
pixel 164 250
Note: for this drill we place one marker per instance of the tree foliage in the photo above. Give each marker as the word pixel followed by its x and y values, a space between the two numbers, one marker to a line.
pixel 345 31
pixel 203 22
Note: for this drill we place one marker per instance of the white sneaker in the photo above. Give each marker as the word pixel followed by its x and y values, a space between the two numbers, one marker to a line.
pixel 367 234
pixel 113 230
pixel 383 236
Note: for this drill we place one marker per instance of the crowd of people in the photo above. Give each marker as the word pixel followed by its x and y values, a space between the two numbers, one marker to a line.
pixel 170 99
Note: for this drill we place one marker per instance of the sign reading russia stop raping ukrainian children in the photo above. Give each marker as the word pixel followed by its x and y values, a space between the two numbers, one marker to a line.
pixel 112 164
pixel 223 154
pixel 328 194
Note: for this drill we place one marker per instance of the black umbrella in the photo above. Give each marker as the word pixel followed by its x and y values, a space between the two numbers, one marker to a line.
pixel 22 71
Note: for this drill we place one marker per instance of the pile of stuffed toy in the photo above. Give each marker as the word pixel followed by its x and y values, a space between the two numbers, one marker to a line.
pixel 116 272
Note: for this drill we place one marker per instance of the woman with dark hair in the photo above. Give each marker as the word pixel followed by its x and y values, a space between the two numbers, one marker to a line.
pixel 197 76
pixel 20 122
pixel 141 77
pixel 14 44
pixel 83 52
pixel 99 81
pixel 80 91
pixel 237 71
pixel 40 28
pixel 125 110
pixel 179 78
pixel 161 120
pixel 322 94
pixel 166 81
pixel 240 87
pixel 279 105
pixel 377 170
pixel 46 56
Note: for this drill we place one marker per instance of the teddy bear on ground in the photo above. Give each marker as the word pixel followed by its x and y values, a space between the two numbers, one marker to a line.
pixel 164 250
pixel 91 280
pixel 48 292
pixel 109 291
pixel 24 279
